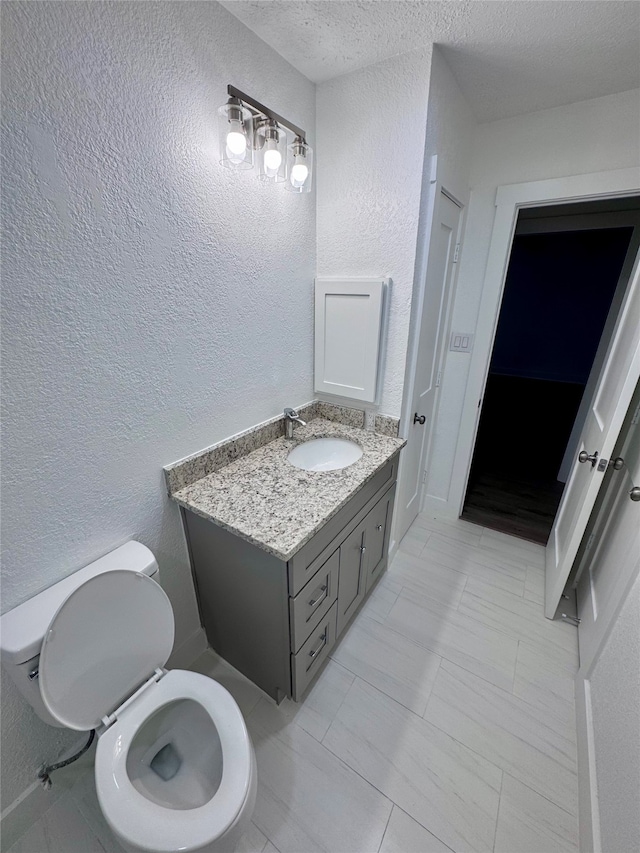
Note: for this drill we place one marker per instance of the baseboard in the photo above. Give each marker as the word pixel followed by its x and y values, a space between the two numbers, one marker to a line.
pixel 393 547
pixel 588 812
pixel 184 655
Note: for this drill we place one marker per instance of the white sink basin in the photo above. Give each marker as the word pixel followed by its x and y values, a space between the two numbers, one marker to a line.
pixel 325 454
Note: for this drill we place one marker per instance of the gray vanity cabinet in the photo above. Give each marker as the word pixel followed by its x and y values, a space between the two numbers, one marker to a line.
pixel 376 539
pixel 277 621
pixel 352 579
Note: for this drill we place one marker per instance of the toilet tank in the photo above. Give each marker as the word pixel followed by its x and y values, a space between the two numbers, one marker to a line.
pixel 22 629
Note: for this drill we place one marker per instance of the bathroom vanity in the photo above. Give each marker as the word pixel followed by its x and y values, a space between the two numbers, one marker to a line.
pixel 283 558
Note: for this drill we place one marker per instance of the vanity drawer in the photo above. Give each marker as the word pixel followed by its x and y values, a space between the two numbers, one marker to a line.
pixel 309 659
pixel 312 603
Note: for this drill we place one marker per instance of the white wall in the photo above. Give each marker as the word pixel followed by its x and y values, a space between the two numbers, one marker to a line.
pixel 590 136
pixel 450 129
pixel 449 136
pixel 153 302
pixel 371 135
pixel 615 700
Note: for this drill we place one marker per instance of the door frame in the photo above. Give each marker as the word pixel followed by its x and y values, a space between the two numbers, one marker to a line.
pixel 439 182
pixel 509 199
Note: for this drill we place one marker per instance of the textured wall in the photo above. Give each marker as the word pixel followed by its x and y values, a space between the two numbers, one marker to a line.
pixel 371 132
pixel 450 129
pixel 615 700
pixel 589 136
pixel 153 302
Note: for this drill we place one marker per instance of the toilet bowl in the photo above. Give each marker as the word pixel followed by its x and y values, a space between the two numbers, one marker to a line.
pixel 208 798
pixel 175 768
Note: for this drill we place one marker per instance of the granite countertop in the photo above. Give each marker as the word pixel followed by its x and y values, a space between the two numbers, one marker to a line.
pixel 268 501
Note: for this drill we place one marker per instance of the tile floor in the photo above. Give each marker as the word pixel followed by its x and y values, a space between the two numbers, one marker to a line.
pixel 443 721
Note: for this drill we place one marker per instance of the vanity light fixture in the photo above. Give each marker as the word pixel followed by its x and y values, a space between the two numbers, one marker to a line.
pixel 299 166
pixel 253 135
pixel 271 150
pixel 236 132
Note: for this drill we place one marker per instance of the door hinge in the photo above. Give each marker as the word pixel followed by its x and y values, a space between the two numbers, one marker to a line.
pixel 456 253
pixel 438 379
pixel 424 476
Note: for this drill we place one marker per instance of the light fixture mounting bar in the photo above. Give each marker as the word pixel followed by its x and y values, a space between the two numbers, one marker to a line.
pixel 260 108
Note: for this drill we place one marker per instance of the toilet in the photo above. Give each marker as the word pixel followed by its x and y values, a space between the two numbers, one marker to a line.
pixel 175 768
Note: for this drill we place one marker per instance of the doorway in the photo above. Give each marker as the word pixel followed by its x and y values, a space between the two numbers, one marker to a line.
pixel 566 278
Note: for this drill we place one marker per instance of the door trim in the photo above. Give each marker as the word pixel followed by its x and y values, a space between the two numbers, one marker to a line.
pixel 509 199
pixel 588 812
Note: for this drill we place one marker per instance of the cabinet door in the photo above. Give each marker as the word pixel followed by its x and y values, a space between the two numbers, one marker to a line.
pixel 376 538
pixel 352 579
pixel 348 324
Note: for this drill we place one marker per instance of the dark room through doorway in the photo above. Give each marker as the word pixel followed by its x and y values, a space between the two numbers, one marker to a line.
pixel 567 274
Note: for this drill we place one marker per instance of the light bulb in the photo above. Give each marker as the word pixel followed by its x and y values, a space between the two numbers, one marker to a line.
pixel 272 161
pixel 236 141
pixel 299 173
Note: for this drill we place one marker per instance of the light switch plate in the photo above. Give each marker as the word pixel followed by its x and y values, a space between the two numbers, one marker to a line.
pixel 461 342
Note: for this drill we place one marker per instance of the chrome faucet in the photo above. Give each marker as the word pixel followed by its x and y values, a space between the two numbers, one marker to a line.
pixel 291 417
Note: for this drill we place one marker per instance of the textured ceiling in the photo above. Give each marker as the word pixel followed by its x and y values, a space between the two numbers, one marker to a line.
pixel 509 57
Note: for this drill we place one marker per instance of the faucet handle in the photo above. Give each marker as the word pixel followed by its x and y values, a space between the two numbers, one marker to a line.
pixel 290 413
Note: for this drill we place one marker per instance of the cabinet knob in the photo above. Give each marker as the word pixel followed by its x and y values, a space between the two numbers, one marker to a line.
pixel 362 549
pixel 378 527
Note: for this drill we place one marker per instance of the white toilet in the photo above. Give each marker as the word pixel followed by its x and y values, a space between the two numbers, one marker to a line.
pixel 175 768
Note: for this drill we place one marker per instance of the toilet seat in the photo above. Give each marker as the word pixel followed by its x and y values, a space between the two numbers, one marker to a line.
pixel 104 641
pixel 142 822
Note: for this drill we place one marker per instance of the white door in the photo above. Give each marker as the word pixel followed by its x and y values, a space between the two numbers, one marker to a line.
pixel 607 681
pixel 620 374
pixel 614 557
pixel 432 331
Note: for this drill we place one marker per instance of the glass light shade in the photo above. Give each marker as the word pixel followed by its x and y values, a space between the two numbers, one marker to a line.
pixel 271 152
pixel 235 128
pixel 299 167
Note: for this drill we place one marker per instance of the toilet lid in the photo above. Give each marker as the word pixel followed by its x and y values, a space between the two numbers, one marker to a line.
pixel 106 640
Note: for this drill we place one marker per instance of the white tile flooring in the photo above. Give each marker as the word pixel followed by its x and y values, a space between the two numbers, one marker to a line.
pixel 443 721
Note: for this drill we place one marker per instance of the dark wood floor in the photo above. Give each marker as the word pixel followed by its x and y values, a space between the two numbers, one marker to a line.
pixel 521 508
